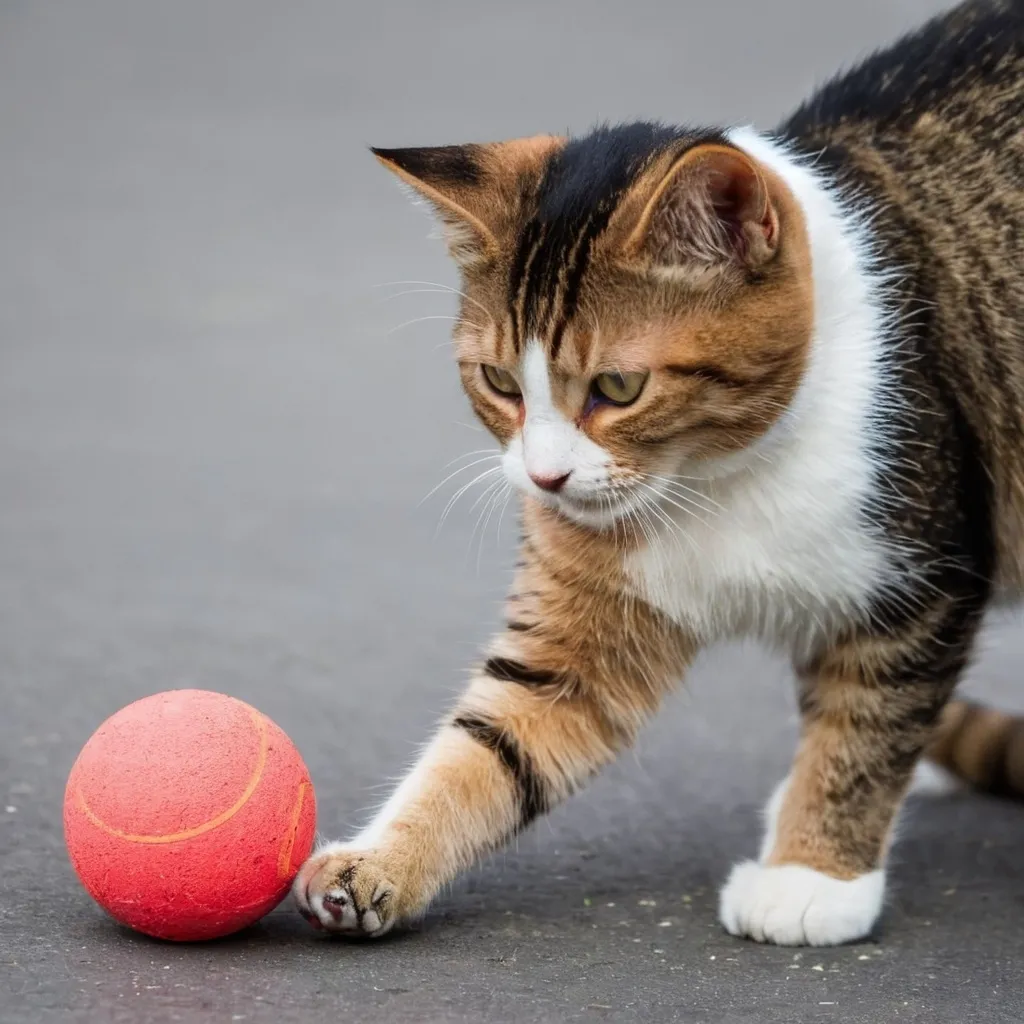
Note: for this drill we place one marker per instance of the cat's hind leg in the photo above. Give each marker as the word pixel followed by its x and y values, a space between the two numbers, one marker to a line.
pixel 869 709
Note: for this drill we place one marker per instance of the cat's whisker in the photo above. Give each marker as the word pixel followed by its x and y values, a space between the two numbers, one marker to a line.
pixel 645 522
pixel 483 502
pixel 500 497
pixel 674 529
pixel 681 479
pixel 675 484
pixel 658 495
pixel 683 476
pixel 669 490
pixel 499 501
pixel 490 487
pixel 455 472
pixel 641 522
pixel 438 286
pixel 607 508
pixel 687 497
pixel 476 451
pixel 417 291
pixel 620 517
pixel 504 509
pixel 656 536
pixel 633 517
pixel 633 514
pixel 685 503
pixel 420 320
pixel 618 520
pixel 688 510
pixel 461 491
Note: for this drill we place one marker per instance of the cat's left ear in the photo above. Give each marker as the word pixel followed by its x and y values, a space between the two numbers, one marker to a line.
pixel 711 208
pixel 474 189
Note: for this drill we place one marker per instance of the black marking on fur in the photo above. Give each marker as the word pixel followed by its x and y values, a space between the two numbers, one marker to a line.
pixel 581 188
pixel 998 754
pixel 711 372
pixel 344 880
pixel 452 165
pixel 520 268
pixel 533 792
pixel 509 670
pixel 931 63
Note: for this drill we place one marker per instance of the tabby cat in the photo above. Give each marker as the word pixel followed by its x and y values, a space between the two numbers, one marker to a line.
pixel 750 384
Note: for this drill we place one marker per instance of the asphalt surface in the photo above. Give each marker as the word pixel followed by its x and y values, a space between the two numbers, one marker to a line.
pixel 213 442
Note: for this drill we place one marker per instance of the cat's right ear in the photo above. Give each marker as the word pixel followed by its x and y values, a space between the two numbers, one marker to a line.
pixel 474 189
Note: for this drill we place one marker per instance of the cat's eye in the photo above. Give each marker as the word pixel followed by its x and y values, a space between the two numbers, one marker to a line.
pixel 619 388
pixel 502 381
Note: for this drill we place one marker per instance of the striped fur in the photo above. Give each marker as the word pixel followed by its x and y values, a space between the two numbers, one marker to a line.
pixel 981 746
pixel 545 710
pixel 818 446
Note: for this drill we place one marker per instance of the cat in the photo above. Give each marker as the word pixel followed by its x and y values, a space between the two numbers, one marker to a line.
pixel 765 385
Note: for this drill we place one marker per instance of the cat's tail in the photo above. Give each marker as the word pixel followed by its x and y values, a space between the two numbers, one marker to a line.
pixel 981 746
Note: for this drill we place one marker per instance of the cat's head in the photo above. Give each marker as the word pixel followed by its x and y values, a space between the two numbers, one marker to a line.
pixel 636 304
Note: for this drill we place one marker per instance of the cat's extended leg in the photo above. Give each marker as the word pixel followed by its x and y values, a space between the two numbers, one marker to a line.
pixel 869 709
pixel 508 753
pixel 564 688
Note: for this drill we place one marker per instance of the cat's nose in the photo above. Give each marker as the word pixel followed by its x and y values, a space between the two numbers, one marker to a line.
pixel 550 483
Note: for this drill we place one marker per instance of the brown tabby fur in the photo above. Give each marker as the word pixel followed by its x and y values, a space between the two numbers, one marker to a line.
pixel 928 137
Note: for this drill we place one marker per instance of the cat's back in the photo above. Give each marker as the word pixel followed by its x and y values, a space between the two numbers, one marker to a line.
pixel 932 128
pixel 962 74
pixel 926 139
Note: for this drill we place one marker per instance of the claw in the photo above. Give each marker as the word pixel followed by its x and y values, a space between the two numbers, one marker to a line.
pixel 335 906
pixel 343 892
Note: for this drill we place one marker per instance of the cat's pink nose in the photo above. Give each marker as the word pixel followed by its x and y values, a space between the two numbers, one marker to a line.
pixel 550 483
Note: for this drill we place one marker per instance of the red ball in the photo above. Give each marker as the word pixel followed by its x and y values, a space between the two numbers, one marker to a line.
pixel 188 814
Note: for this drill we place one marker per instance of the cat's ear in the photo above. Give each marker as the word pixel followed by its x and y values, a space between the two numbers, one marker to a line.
pixel 711 208
pixel 474 189
pixel 451 179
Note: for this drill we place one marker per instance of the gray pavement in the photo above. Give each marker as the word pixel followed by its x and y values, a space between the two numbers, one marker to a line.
pixel 212 446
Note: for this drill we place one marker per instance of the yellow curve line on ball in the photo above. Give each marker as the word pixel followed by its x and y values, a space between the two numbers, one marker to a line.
pixel 284 861
pixel 206 826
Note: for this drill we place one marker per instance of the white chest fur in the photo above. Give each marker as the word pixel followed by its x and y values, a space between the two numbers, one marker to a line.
pixel 784 549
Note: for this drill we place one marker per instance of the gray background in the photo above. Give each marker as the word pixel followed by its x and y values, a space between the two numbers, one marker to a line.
pixel 212 447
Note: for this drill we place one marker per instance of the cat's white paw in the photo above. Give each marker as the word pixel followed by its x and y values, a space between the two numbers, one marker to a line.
pixel 792 905
pixel 932 780
pixel 348 892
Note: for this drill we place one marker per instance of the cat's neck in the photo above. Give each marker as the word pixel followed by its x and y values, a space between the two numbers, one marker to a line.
pixel 840 409
pixel 756 565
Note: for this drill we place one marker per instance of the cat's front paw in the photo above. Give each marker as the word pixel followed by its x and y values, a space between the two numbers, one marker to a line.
pixel 349 891
pixel 792 905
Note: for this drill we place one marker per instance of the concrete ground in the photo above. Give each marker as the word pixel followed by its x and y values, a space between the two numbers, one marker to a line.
pixel 213 440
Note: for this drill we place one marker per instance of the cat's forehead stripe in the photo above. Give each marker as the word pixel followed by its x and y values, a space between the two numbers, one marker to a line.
pixel 579 191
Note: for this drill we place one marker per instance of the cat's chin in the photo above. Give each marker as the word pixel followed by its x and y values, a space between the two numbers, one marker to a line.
pixel 598 520
pixel 600 514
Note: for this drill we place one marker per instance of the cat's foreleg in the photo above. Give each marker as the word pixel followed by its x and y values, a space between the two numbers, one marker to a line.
pixel 505 756
pixel 563 690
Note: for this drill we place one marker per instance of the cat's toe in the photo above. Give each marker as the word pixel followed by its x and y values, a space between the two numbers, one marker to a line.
pixel 792 905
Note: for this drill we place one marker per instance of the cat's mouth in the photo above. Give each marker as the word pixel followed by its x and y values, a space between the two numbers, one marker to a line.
pixel 600 510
